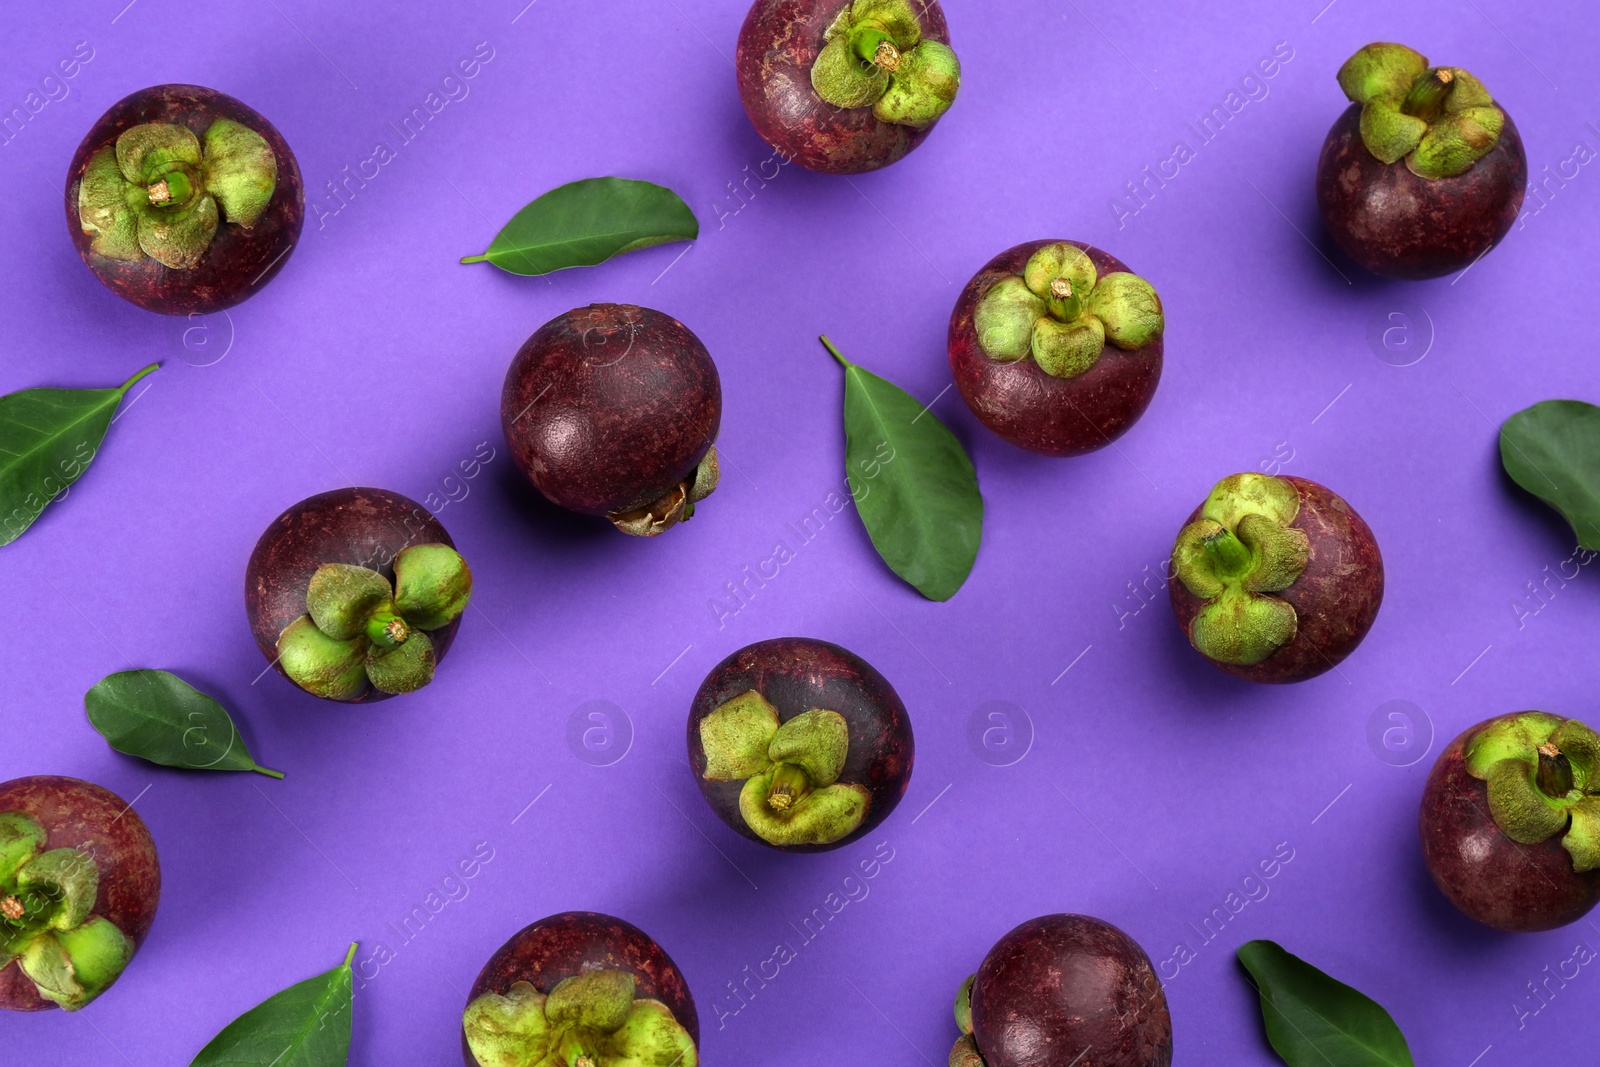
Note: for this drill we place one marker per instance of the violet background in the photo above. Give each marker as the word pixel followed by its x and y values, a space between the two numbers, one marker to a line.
pixel 1152 785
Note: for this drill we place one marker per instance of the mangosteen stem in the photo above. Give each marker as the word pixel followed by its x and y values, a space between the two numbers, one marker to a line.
pixel 387 630
pixel 789 785
pixel 1555 772
pixel 1065 303
pixel 875 46
pixel 1230 555
pixel 1426 98
pixel 12 909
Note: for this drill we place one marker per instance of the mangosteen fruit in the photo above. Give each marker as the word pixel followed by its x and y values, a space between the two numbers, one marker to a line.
pixel 1277 578
pixel 799 744
pixel 845 87
pixel 1424 172
pixel 1063 991
pixel 79 884
pixel 580 989
pixel 1511 821
pixel 183 200
pixel 1056 347
pixel 613 410
pixel 355 594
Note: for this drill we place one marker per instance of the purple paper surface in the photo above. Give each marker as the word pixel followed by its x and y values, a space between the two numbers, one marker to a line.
pixel 1136 783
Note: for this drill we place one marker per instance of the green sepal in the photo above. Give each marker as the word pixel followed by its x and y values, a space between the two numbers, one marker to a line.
pixel 1457 141
pixel 433 585
pixel 104 212
pixel 404 668
pixel 508 1031
pixel 1066 350
pixel 1381 71
pixel 1521 811
pixel 1518 737
pixel 897 18
pixel 241 171
pixel 594 1000
pixel 321 665
pixel 964 1004
pixel 964 1053
pixel 1128 308
pixel 143 151
pixel 72 967
pixel 1581 746
pixel 1279 555
pixel 1389 133
pixel 1582 840
pixel 1005 317
pixel 735 737
pixel 705 479
pixel 845 81
pixel 178 238
pixel 1192 564
pixel 341 597
pixel 817 741
pixel 1243 628
pixel 67 876
pixel 923 87
pixel 821 817
pixel 651 1037
pixel 21 837
pixel 1059 260
pixel 1241 494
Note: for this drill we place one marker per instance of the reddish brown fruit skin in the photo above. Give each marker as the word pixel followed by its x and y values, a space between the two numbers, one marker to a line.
pixel 1031 409
pixel 364 527
pixel 778 46
pixel 1399 225
pixel 1059 986
pixel 239 261
pixel 81 815
pixel 1491 878
pixel 561 946
pixel 797 674
pixel 1336 599
pixel 607 408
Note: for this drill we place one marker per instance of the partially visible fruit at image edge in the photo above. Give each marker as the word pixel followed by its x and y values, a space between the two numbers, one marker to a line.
pixel 580 989
pixel 79 885
pixel 356 594
pixel 183 200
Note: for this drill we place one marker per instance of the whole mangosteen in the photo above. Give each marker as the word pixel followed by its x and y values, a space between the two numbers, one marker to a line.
pixel 613 410
pixel 845 87
pixel 356 594
pixel 1424 172
pixel 79 884
pixel 799 744
pixel 1056 347
pixel 183 200
pixel 1511 821
pixel 580 989
pixel 1277 579
pixel 1063 991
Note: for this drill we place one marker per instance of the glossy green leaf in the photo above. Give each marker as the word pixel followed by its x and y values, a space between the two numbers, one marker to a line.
pixel 1553 451
pixel 588 222
pixel 306 1025
pixel 159 717
pixel 912 482
pixel 1313 1020
pixel 48 438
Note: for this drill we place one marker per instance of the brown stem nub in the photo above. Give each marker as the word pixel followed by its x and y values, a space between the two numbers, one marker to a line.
pixel 887 57
pixel 1555 772
pixel 1426 98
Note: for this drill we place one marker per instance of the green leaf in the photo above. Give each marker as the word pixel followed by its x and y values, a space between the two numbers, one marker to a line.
pixel 588 222
pixel 912 483
pixel 1313 1020
pixel 48 438
pixel 1553 451
pixel 306 1025
pixel 159 717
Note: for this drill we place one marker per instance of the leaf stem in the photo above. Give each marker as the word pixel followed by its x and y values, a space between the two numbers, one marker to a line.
pixel 476 259
pixel 351 954
pixel 845 363
pixel 131 382
pixel 268 771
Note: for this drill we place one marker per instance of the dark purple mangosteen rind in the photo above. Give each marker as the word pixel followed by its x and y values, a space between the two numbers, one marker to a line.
pixel 238 261
pixel 561 946
pixel 1489 877
pixel 608 408
pixel 81 815
pixel 1033 998
pixel 1037 411
pixel 360 526
pixel 796 674
pixel 1397 224
pixel 778 45
pixel 1336 598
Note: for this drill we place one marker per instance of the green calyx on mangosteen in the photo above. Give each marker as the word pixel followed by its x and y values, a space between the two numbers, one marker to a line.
pixel 592 1019
pixel 1059 312
pixel 876 57
pixel 1440 120
pixel 46 925
pixel 792 794
pixel 162 192
pixel 676 506
pixel 1542 774
pixel 359 630
pixel 1241 550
